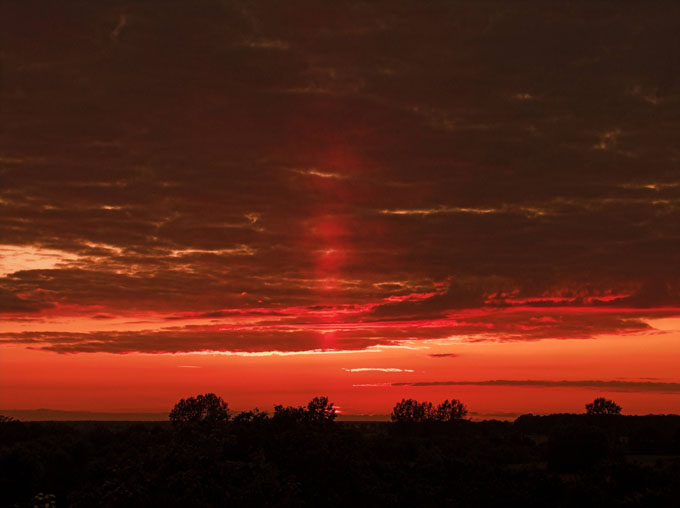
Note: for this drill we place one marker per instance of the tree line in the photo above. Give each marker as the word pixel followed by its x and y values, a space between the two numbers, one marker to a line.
pixel 211 408
pixel 430 455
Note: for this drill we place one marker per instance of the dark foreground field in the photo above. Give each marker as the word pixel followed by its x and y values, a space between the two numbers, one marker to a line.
pixel 550 461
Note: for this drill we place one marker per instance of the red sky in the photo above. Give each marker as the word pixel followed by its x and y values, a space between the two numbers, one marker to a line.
pixel 365 201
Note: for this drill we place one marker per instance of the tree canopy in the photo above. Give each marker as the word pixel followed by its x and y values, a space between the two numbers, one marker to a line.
pixel 321 410
pixel 318 410
pixel 208 408
pixel 602 406
pixel 451 410
pixel 410 410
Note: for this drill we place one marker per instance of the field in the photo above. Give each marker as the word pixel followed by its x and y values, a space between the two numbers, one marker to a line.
pixel 556 460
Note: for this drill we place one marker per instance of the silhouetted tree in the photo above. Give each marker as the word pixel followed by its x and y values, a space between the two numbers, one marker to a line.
pixel 451 410
pixel 320 410
pixel 289 414
pixel 299 463
pixel 646 440
pixel 576 447
pixel 251 416
pixel 410 410
pixel 602 406
pixel 207 408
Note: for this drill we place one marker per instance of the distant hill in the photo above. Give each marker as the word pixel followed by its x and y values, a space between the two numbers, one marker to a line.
pixel 42 415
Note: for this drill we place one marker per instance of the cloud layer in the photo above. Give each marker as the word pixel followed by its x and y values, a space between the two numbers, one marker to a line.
pixel 612 386
pixel 389 171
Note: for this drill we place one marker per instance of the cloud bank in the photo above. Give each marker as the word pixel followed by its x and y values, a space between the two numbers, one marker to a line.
pixel 612 386
pixel 386 171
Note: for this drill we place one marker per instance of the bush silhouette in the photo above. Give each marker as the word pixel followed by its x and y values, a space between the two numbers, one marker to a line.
pixel 255 460
pixel 602 406
pixel 451 410
pixel 318 410
pixel 208 408
pixel 254 415
pixel 410 410
pixel 575 447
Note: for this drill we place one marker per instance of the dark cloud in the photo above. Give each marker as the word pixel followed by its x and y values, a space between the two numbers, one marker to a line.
pixel 217 157
pixel 443 355
pixel 652 293
pixel 612 386
pixel 192 338
pixel 312 333
pixel 14 303
pixel 460 294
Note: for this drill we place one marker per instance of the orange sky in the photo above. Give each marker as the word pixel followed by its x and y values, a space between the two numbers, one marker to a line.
pixel 153 382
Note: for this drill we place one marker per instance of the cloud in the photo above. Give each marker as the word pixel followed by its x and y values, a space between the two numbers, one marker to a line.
pixel 652 293
pixel 317 160
pixel 460 294
pixel 377 369
pixel 22 303
pixel 189 340
pixel 294 330
pixel 613 386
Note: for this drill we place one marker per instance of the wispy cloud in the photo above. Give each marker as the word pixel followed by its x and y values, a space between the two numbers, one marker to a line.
pixel 300 329
pixel 292 170
pixel 614 385
pixel 377 369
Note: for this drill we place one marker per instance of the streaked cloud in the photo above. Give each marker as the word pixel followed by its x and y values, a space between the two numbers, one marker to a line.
pixel 17 258
pixel 612 386
pixel 495 179
pixel 378 369
pixel 371 385
pixel 302 330
pixel 440 210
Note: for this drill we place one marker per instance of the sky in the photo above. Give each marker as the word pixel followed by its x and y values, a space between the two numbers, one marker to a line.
pixel 365 200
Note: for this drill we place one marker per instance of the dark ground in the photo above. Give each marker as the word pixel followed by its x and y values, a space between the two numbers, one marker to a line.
pixel 556 460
